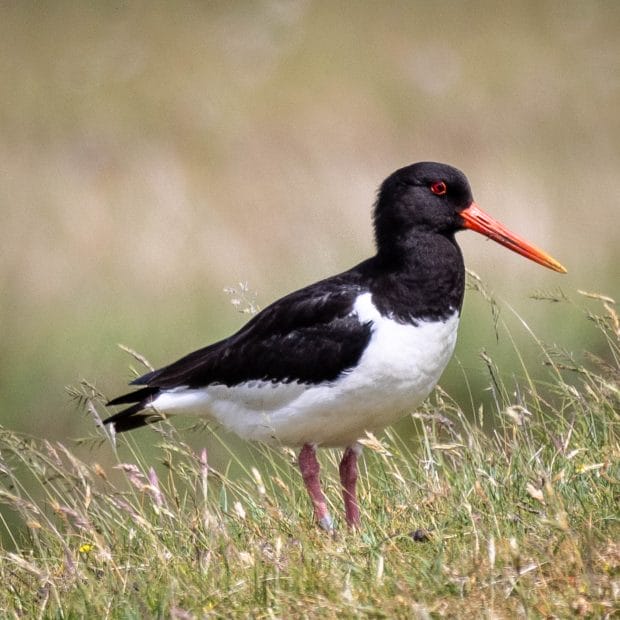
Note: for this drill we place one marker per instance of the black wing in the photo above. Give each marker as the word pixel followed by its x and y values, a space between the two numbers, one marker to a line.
pixel 308 336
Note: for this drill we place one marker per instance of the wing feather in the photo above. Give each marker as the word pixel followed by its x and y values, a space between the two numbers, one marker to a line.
pixel 309 336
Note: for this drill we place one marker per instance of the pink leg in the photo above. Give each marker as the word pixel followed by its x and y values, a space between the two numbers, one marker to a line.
pixel 348 480
pixel 309 468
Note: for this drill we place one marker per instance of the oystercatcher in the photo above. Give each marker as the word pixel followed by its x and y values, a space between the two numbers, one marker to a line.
pixel 349 354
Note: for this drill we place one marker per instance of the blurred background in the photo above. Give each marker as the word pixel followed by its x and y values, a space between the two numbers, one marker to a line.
pixel 154 153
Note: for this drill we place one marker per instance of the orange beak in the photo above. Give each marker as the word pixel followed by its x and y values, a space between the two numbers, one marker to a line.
pixel 476 219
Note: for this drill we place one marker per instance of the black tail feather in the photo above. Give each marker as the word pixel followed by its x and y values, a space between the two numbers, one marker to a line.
pixel 134 416
pixel 134 397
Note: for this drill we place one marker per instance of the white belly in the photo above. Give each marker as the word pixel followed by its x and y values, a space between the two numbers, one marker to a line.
pixel 398 370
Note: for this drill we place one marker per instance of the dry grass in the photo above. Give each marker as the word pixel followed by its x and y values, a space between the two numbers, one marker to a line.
pixel 521 521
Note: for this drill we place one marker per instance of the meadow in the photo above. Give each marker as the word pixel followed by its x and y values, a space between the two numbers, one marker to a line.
pixel 520 521
pixel 168 168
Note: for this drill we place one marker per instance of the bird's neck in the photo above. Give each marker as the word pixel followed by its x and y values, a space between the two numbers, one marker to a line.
pixel 422 278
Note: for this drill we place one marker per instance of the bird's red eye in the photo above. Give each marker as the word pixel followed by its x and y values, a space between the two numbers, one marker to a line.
pixel 439 188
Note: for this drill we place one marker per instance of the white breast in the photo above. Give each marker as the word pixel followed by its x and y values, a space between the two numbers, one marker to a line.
pixel 398 370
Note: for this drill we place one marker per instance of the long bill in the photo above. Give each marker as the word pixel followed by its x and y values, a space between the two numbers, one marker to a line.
pixel 476 219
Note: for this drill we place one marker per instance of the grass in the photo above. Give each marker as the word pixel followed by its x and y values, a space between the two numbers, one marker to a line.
pixel 518 521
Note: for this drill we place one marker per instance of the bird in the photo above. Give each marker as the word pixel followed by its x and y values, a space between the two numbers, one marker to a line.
pixel 349 354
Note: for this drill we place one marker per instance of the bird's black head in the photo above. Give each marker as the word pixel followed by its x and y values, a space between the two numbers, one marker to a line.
pixel 424 197
pixel 430 201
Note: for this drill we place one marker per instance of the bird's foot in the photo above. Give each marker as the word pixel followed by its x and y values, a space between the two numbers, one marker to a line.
pixel 326 523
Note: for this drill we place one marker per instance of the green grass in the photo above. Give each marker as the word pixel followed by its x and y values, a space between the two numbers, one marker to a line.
pixel 517 521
